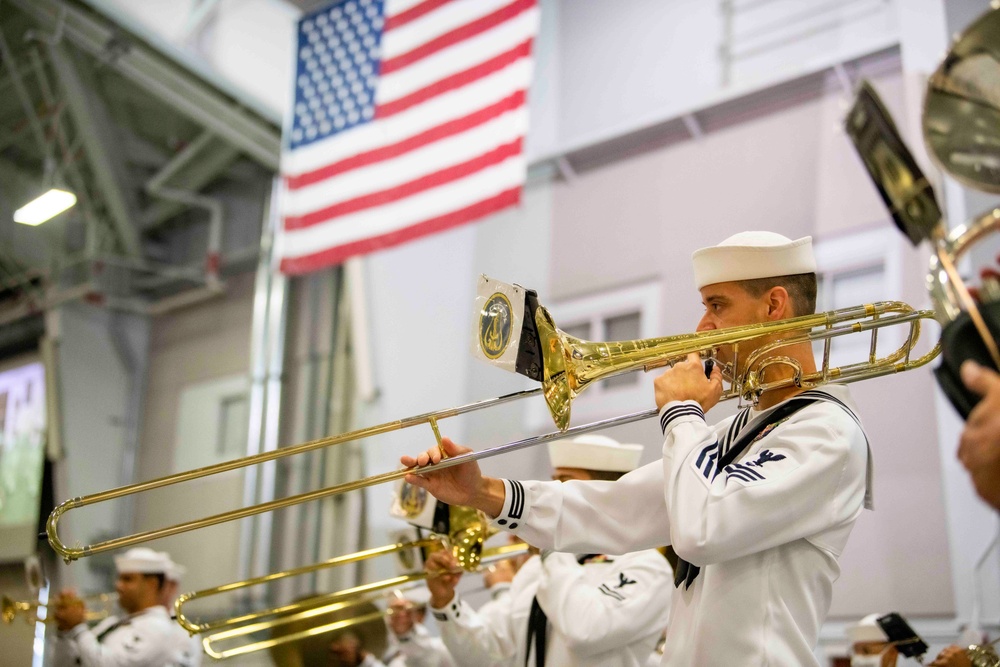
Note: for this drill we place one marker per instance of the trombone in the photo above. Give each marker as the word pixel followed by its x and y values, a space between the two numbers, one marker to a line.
pixel 362 596
pixel 568 366
pixel 10 609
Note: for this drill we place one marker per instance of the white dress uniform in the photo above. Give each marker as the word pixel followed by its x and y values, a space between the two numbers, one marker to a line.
pixel 498 606
pixel 766 531
pixel 607 612
pixel 144 639
pixel 189 649
pixel 417 648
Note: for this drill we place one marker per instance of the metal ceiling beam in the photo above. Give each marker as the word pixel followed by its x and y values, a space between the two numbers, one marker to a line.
pixel 143 66
pixel 214 157
pixel 93 129
pixel 22 95
pixel 66 151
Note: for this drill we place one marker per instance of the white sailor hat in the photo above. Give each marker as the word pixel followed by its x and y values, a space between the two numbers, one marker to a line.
pixel 174 570
pixel 751 255
pixel 143 561
pixel 594 452
pixel 867 630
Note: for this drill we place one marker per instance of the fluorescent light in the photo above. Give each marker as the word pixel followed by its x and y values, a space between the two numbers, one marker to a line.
pixel 49 205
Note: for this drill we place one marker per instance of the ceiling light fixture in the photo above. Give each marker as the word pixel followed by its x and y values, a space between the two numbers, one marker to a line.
pixel 47 206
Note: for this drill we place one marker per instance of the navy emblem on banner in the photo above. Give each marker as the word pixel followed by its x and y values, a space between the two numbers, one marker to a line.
pixel 412 499
pixel 495 325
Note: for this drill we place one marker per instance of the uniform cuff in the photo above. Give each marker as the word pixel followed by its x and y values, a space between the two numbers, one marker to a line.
pixel 515 506
pixel 450 611
pixel 679 411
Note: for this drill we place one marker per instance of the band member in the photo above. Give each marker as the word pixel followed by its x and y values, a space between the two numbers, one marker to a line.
pixel 189 646
pixel 758 507
pixel 410 644
pixel 979 446
pixel 584 610
pixel 143 637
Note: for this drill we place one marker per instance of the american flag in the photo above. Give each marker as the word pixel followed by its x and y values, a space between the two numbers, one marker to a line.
pixel 409 118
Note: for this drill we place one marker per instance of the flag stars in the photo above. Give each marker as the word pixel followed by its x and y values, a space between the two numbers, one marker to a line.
pixel 337 69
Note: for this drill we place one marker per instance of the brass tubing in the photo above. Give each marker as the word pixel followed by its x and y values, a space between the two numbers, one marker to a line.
pixel 69 553
pixel 346 559
pixel 295 636
pixel 570 365
pixel 319 605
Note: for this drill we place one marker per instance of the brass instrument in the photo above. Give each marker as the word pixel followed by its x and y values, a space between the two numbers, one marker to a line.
pixel 10 608
pixel 961 126
pixel 961 129
pixel 568 366
pixel 983 655
pixel 308 618
pixel 465 541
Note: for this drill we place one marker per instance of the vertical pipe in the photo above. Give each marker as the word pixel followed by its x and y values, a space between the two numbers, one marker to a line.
pixel 277 317
pixel 258 367
pixel 320 462
pixel 136 367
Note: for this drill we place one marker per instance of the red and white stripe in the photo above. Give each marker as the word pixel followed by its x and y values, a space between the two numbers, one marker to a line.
pixel 446 145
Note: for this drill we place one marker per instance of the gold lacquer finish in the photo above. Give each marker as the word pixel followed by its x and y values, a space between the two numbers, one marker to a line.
pixel 10 609
pixel 466 542
pixel 570 366
pixel 983 656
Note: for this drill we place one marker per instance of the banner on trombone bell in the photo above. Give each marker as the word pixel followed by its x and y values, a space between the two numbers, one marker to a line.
pixel 503 329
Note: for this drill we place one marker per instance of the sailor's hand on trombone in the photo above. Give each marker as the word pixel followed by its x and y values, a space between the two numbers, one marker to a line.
pixel 443 575
pixel 686 381
pixel 458 485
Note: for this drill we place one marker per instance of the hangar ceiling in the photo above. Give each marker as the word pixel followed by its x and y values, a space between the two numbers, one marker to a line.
pixel 172 175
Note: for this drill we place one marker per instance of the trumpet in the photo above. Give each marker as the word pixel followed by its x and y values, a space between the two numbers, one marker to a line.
pixel 568 366
pixel 10 609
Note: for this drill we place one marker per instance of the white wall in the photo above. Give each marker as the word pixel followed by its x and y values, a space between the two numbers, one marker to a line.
pixel 94 387
pixel 189 347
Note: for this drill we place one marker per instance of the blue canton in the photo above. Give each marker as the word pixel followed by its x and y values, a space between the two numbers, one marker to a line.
pixel 336 69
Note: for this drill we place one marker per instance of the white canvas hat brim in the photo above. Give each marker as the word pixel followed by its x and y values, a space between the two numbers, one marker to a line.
pixel 752 255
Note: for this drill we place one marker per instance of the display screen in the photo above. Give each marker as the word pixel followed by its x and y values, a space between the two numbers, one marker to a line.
pixel 22 457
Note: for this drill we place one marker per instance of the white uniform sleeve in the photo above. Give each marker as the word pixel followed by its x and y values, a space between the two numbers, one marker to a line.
pixel 805 476
pixel 499 605
pixel 633 601
pixel 91 653
pixel 472 640
pixel 66 653
pixel 589 516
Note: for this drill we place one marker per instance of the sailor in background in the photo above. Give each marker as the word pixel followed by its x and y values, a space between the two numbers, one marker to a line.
pixel 188 646
pixel 347 650
pixel 144 637
pixel 563 609
pixel 410 644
